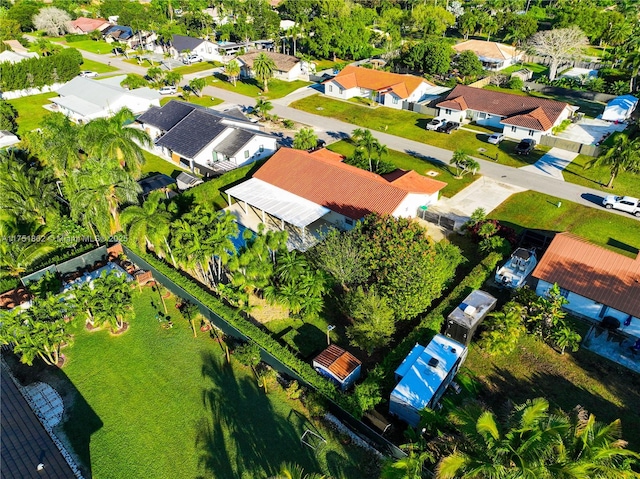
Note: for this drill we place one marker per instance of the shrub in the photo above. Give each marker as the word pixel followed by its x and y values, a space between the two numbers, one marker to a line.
pixel 73 37
pixel 478 231
pixel 516 83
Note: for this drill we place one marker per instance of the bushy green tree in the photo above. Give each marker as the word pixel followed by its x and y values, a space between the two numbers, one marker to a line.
pixel 8 115
pixel 468 64
pixel 372 319
pixel 305 139
pixel 503 330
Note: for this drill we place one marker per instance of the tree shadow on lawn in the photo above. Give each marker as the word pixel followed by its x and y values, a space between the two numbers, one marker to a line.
pixel 500 385
pixel 441 165
pixel 241 434
pixel 572 171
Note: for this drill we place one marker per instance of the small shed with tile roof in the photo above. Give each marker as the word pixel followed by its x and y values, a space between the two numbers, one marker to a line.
pixel 519 116
pixel 596 281
pixel 338 365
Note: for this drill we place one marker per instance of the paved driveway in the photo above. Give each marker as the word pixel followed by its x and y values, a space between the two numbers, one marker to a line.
pixel 590 131
pixel 552 163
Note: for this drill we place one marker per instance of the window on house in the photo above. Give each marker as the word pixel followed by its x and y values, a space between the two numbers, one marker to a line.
pixel 261 148
pixel 215 156
pixel 447 112
pixel 394 100
pixel 513 129
pixel 349 221
pixel 340 91
pixel 531 132
pixel 330 88
pixel 564 293
pixel 246 154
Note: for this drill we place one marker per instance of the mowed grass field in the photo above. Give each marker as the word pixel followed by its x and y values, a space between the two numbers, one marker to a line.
pixel 537 211
pixel 251 87
pixel 31 111
pixel 156 402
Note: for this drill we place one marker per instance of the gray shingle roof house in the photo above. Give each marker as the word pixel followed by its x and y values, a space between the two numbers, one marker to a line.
pixel 181 44
pixel 209 141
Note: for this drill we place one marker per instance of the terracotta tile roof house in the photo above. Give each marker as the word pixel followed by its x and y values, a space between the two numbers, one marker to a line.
pixel 390 89
pixel 493 55
pixel 338 365
pixel 83 25
pixel 519 116
pixel 597 282
pixel 288 67
pixel 344 189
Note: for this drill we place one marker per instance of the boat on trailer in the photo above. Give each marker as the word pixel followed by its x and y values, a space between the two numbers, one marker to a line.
pixel 515 271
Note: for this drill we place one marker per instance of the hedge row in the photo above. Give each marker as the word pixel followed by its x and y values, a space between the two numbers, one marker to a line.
pixel 260 337
pixel 38 72
pixel 76 37
pixel 383 373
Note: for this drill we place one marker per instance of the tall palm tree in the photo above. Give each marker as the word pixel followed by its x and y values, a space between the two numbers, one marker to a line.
pixel 623 155
pixel 111 138
pixel 115 305
pixel 99 191
pixel 173 78
pixel 197 85
pixel 263 68
pixel 232 70
pixel 366 142
pixel 27 193
pixel 148 225
pixel 56 145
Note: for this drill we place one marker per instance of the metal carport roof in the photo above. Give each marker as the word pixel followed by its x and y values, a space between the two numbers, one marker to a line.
pixel 286 206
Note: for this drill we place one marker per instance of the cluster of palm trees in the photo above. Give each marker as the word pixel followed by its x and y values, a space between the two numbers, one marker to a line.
pixel 84 172
pixel 366 146
pixel 42 329
pixel 532 441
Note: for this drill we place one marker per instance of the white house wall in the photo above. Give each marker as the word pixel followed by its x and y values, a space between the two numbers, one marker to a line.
pixel 408 208
pixel 334 90
pixel 253 149
pixel 517 133
pixel 587 307
pixel 452 115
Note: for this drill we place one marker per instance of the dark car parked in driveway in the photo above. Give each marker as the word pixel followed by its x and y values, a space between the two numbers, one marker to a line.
pixel 448 127
pixel 526 146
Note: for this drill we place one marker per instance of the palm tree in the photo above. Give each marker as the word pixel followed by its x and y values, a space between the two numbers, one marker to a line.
pixel 148 225
pixel 305 139
pixel 294 471
pixel 155 74
pixel 263 67
pixel 173 78
pixel 565 337
pixel 56 145
pixel 232 70
pixel 623 155
pixel 111 138
pixel 115 304
pixel 366 142
pixel 89 300
pixel 17 256
pixel 380 150
pixel 27 193
pixel 464 163
pixel 99 190
pixel 197 85
pixel 262 108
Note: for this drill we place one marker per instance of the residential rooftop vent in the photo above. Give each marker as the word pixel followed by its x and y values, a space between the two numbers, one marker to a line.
pixel 433 362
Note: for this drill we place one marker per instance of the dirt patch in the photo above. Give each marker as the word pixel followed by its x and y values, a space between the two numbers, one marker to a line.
pixel 120 331
pixel 263 312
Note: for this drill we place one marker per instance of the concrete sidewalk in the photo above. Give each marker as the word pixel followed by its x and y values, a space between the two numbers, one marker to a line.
pixel 552 163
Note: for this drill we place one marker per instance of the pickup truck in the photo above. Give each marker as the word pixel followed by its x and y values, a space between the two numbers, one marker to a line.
pixel 623 203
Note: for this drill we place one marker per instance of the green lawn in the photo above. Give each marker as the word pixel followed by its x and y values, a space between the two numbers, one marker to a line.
pixel 251 87
pixel 196 67
pixel 420 165
pixel 203 101
pixel 97 66
pixel 540 212
pixel 160 403
pixel 536 370
pixel 537 69
pixel 31 111
pixel 154 164
pixel 94 46
pixel 598 176
pixel 411 125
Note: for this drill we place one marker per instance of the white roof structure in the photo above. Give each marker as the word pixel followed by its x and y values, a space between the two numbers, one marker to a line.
pixel 277 202
pixel 16 57
pixel 8 139
pixel 620 108
pixel 424 370
pixel 86 99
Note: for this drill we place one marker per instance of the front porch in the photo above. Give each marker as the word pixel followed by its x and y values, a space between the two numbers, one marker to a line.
pixel 618 346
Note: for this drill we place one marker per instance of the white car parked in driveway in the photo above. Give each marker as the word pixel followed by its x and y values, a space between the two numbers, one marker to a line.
pixel 623 203
pixel 168 90
pixel 496 138
pixel 88 74
pixel 436 123
pixel 192 59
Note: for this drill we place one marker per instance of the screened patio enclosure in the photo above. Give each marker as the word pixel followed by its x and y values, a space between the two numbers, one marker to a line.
pixel 260 202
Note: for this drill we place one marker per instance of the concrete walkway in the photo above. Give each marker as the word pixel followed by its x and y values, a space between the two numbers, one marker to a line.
pixel 485 193
pixel 552 163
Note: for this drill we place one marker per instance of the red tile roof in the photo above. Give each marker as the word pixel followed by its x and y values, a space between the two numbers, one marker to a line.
pixel 593 272
pixel 88 24
pixel 340 362
pixel 401 85
pixel 526 111
pixel 342 188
